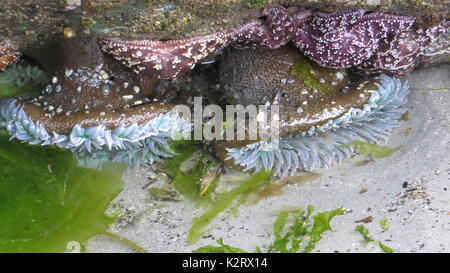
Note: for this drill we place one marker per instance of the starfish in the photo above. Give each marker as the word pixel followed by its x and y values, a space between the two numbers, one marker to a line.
pixel 173 59
pixel 346 39
pixel 437 52
pixel 276 31
pixel 9 53
pixel 401 53
pixel 372 42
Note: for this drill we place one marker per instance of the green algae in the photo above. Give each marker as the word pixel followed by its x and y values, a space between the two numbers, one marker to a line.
pixel 21 80
pixel 426 90
pixel 367 238
pixel 48 202
pixel 164 194
pixel 302 71
pixel 222 248
pixel 321 224
pixel 384 224
pixel 193 182
pixel 125 241
pixel 405 116
pixel 224 201
pixel 302 234
pixel 373 150
pixel 187 181
pixel 294 231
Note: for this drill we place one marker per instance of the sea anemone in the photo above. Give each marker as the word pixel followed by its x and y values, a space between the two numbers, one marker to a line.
pixel 321 148
pixel 134 144
pixel 97 108
pixel 309 145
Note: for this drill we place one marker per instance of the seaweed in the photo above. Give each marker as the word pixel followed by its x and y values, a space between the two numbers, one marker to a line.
pixel 185 182
pixel 48 202
pixel 365 233
pixel 302 71
pixel 294 231
pixel 384 224
pixel 188 181
pixel 373 150
pixel 288 239
pixel 224 201
pixel 222 248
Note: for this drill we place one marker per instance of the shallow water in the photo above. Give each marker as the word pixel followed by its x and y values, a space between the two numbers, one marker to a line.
pixel 417 210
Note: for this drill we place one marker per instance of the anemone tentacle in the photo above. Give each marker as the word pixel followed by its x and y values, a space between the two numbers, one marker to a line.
pixel 144 152
pixel 133 144
pixel 329 145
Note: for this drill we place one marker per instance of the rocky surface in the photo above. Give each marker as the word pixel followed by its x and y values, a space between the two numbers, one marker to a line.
pixel 32 22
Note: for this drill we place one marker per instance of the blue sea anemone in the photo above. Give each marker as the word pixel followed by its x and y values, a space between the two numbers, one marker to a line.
pixel 134 144
pixel 322 146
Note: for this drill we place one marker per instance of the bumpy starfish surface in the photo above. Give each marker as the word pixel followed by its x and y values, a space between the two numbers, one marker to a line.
pixel 9 53
pixel 345 39
pixel 400 53
pixel 172 59
pixel 372 42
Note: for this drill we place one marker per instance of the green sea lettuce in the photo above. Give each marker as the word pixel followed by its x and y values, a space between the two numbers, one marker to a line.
pixel 47 202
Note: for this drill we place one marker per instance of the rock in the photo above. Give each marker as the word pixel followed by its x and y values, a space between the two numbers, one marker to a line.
pixel 33 22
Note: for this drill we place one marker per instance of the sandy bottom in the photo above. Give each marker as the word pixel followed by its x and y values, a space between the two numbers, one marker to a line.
pixel 418 211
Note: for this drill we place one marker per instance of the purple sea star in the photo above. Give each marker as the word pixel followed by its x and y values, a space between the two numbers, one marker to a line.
pixel 274 32
pixel 172 59
pixel 372 42
pixel 9 53
pixel 345 39
pixel 399 55
pixel 165 59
